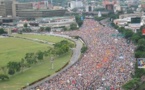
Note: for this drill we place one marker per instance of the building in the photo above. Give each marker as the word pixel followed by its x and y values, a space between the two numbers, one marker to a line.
pixel 89 8
pixel 31 13
pixel 8 7
pixel 109 4
pixel 131 21
pixel 11 8
pixel 2 9
pixel 23 6
pixel 117 7
pixel 41 5
pixel 56 22
pixel 143 5
pixel 75 4
pixel 130 15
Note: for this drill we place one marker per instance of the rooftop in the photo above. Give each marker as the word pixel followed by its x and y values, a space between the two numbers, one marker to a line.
pixel 40 10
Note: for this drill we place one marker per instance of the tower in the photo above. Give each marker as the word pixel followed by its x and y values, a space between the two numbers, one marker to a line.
pixel 99 14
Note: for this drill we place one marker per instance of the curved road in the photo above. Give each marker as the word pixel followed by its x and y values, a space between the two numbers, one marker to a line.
pixel 75 57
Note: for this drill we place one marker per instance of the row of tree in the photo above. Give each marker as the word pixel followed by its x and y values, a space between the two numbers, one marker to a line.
pixel 75 26
pixel 41 29
pixel 30 59
pixel 2 31
pixel 110 15
pixel 79 20
pixel 47 29
pixel 139 40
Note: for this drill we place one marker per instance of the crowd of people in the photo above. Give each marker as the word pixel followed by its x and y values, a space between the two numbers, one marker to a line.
pixel 107 64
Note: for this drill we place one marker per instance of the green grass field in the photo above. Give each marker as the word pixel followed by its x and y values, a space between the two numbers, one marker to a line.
pixel 34 73
pixel 53 39
pixel 142 87
pixel 13 49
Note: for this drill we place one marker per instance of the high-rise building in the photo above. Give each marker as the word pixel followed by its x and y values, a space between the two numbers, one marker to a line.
pixel 8 7
pixel 23 6
pixel 109 4
pixel 2 8
pixel 28 9
pixel 143 4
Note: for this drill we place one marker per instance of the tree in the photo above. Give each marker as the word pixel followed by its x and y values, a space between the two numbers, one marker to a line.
pixel 141 41
pixel 26 29
pixel 84 49
pixel 30 58
pixel 121 29
pixel 132 84
pixel 74 10
pixel 22 64
pixel 62 47
pixel 128 33
pixel 40 55
pixel 3 77
pixel 48 29
pixel 99 18
pixel 41 29
pixel 20 32
pixel 73 26
pixel 65 28
pixel 140 48
pixel 11 71
pixel 138 54
pixel 135 38
pixel 4 69
pixel 14 66
pixel 78 20
pixel 2 31
pixel 115 26
pixel 25 25
pixel 113 15
pixel 77 37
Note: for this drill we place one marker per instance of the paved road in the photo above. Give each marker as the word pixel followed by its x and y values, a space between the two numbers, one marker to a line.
pixel 75 57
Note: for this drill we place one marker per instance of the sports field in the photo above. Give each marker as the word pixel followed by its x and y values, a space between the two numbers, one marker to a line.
pixel 13 49
pixel 34 73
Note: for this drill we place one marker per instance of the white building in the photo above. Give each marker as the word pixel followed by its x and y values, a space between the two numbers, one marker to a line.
pixel 89 8
pixel 75 4
pixel 56 21
pixel 126 22
pixel 117 8
pixel 99 14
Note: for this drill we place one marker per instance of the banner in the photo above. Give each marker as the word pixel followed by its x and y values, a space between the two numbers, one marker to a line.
pixel 141 62
pixel 143 31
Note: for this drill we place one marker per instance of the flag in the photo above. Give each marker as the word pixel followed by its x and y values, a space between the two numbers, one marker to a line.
pixel 143 31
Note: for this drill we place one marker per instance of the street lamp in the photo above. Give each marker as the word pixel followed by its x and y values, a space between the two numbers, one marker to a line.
pixel 52 60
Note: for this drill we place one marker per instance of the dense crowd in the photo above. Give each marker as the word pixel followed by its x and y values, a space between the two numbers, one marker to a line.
pixel 108 62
